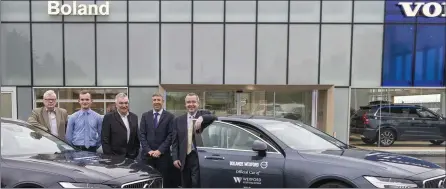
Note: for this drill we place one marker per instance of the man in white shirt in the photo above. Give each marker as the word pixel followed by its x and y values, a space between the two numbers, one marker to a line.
pixel 120 130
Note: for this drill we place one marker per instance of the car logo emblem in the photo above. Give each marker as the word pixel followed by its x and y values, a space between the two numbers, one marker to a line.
pixel 441 183
pixel 264 165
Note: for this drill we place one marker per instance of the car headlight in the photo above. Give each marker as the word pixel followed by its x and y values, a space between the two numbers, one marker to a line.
pixel 82 185
pixel 381 182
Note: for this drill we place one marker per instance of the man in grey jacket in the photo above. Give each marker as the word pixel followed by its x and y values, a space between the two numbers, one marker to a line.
pixel 50 118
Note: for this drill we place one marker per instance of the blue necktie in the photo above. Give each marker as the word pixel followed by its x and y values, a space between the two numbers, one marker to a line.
pixel 155 120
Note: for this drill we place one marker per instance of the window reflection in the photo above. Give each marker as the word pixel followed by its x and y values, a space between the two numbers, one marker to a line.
pixel 67 98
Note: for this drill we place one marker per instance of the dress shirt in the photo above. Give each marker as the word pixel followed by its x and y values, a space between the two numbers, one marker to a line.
pixel 53 122
pixel 159 115
pixel 84 129
pixel 126 123
pixel 190 118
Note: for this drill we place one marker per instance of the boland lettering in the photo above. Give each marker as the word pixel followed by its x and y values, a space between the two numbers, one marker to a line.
pixel 56 8
pixel 427 9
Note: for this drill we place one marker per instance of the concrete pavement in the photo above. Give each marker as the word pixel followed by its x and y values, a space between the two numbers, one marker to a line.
pixel 404 147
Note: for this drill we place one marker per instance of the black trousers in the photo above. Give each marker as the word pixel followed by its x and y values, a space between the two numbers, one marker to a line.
pixel 163 165
pixel 190 176
pixel 90 149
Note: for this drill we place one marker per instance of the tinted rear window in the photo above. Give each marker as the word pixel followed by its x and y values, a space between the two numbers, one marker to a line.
pixel 365 109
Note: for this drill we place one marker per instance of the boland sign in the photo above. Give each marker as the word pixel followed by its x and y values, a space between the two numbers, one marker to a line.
pixel 427 9
pixel 74 8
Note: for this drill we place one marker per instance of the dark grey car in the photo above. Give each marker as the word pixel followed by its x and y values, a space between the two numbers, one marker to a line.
pixel 261 152
pixel 402 122
pixel 33 158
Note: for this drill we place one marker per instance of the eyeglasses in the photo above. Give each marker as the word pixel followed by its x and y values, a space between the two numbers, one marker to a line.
pixel 50 99
pixel 123 103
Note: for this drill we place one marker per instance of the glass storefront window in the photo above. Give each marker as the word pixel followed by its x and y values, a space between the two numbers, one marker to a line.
pixel 67 98
pixel 398 117
pixel 292 105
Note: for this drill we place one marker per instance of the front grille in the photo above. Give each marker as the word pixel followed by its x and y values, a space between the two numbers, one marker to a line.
pixel 146 183
pixel 436 182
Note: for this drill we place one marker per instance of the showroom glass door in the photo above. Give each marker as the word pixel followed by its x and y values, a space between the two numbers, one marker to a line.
pixel 255 103
pixel 8 102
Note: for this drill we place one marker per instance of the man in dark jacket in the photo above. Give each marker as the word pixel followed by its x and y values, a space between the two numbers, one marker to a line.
pixel 187 129
pixel 156 137
pixel 120 130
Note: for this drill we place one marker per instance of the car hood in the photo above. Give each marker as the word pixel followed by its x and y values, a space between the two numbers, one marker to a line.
pixel 382 163
pixel 84 166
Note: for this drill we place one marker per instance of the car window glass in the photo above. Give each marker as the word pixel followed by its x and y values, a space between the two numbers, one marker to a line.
pixel 221 135
pixel 256 133
pixel 425 113
pixel 299 136
pixel 19 140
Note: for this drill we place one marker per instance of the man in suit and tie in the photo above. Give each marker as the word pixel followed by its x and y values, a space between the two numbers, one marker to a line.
pixel 120 130
pixel 50 118
pixel 187 129
pixel 156 138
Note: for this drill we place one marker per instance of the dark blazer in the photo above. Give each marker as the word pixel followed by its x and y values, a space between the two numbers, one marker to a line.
pixel 159 138
pixel 114 135
pixel 179 143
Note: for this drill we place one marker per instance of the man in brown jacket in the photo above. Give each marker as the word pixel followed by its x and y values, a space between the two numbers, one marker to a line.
pixel 50 117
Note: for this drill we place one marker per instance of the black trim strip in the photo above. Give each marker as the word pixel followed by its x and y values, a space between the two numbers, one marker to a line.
pixel 342 87
pixel 192 43
pixel 17 101
pixel 31 41
pixel 159 41
pixel 320 44
pixel 255 43
pixel 64 81
pixel 224 42
pixel 95 50
pixel 351 43
pixel 128 44
pixel 383 46
pixel 287 71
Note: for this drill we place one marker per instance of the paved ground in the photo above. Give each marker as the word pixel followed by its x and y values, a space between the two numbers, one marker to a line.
pixel 406 147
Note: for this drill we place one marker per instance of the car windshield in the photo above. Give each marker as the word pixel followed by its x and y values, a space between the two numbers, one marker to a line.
pixel 20 140
pixel 301 137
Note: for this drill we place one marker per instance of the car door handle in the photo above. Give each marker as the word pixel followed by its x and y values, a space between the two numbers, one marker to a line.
pixel 214 158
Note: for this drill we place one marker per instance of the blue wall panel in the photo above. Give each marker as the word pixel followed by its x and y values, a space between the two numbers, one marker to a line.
pixel 414 49
pixel 430 55
pixel 398 54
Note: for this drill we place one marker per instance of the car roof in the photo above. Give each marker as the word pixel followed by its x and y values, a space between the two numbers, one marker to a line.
pixel 253 118
pixel 14 121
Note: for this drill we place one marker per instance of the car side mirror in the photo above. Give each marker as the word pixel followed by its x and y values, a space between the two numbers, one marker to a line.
pixel 259 146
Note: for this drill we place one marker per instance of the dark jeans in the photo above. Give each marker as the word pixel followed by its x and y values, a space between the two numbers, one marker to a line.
pixel 90 149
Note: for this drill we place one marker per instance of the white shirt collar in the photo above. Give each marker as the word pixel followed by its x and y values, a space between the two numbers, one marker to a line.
pixel 159 113
pixel 123 115
pixel 193 116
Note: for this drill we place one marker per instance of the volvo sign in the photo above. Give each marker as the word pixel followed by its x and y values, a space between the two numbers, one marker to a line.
pixel 75 8
pixel 427 9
